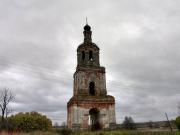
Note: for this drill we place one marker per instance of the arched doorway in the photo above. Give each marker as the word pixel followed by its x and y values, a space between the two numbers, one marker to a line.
pixel 91 88
pixel 94 119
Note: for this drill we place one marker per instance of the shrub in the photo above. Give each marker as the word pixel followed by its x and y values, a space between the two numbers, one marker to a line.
pixel 177 122
pixel 30 121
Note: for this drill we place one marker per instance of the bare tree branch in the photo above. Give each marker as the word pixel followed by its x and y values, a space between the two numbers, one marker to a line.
pixel 8 111
pixel 179 108
pixel 5 98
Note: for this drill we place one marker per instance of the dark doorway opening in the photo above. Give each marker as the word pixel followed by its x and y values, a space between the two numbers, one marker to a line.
pixel 94 119
pixel 92 88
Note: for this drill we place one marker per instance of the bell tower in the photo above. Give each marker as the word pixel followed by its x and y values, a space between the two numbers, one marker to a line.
pixel 90 106
pixel 88 53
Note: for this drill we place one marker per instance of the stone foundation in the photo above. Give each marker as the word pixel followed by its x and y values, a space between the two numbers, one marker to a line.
pixel 79 116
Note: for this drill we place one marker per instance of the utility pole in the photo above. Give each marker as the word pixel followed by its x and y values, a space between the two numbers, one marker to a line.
pixel 168 121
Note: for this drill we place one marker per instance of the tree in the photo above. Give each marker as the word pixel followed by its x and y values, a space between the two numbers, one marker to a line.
pixel 129 123
pixel 30 121
pixel 179 108
pixel 177 122
pixel 5 98
pixel 150 124
pixel 8 111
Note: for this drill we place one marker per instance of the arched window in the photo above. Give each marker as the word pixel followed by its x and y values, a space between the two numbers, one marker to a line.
pixel 83 55
pixel 91 88
pixel 90 55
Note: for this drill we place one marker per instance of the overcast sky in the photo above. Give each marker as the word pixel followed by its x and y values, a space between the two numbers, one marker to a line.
pixel 139 44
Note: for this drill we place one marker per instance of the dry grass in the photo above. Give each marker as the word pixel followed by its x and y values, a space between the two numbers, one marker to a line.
pixel 116 132
pixel 31 133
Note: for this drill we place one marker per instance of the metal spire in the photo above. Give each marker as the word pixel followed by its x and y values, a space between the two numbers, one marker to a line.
pixel 86 21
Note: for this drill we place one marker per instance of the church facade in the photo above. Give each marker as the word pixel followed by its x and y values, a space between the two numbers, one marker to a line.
pixel 90 107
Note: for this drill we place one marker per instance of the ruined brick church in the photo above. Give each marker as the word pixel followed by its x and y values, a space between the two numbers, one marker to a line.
pixel 90 107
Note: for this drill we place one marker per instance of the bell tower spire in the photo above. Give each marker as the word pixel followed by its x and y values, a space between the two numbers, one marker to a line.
pixel 86 21
pixel 87 34
pixel 88 52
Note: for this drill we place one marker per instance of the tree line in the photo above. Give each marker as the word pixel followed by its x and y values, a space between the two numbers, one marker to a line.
pixel 31 121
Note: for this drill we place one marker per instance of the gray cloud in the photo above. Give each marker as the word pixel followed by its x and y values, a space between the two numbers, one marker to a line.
pixel 139 42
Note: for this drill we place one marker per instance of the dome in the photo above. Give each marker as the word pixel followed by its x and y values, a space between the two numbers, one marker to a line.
pixel 87 27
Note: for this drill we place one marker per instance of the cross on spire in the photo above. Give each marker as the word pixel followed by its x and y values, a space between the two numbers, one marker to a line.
pixel 86 21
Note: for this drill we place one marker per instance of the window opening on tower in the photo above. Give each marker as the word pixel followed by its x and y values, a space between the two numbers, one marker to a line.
pixel 92 88
pixel 83 55
pixel 90 55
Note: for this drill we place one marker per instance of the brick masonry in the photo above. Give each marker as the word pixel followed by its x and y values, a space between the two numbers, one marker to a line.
pixel 89 90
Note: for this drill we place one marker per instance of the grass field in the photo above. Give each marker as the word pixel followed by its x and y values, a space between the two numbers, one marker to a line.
pixel 116 132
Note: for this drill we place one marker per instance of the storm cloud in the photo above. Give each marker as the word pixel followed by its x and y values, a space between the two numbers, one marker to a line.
pixel 139 42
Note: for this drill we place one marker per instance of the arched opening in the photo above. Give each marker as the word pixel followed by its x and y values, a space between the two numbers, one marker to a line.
pixel 92 88
pixel 94 119
pixel 90 55
pixel 83 55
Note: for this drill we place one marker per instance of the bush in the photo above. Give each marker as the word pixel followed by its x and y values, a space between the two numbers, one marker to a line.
pixel 30 121
pixel 177 122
